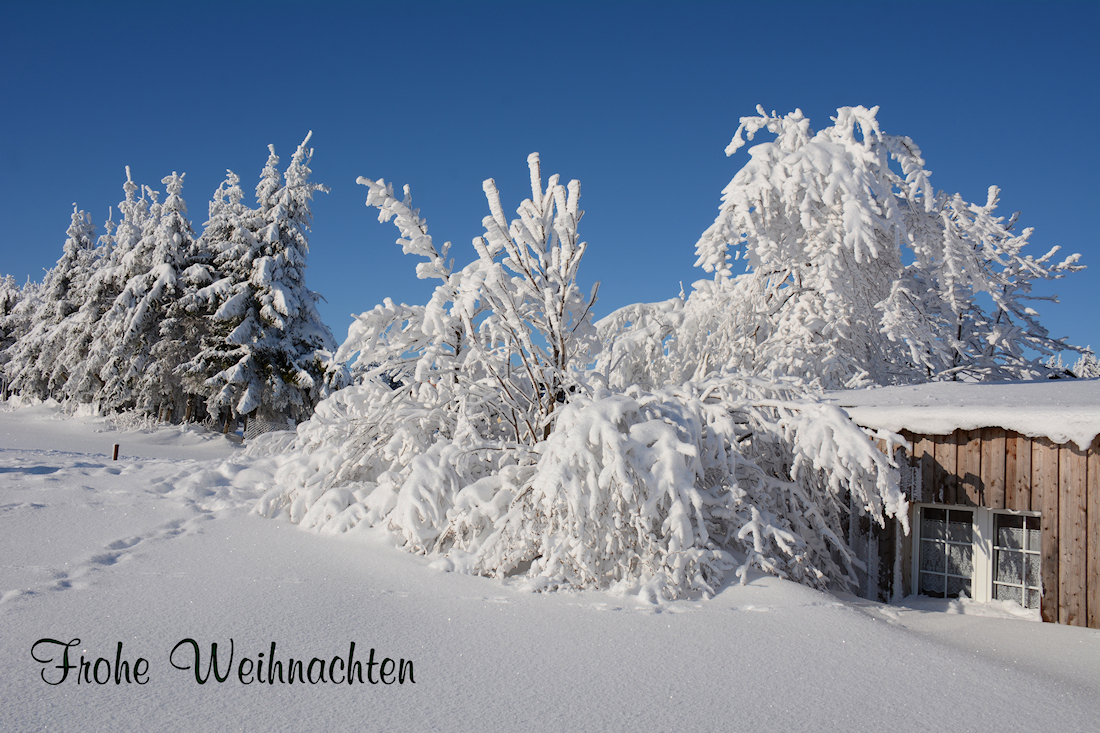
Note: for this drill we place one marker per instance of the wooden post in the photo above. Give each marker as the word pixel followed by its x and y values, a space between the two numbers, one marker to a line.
pixel 1044 497
pixel 926 451
pixel 1072 525
pixel 115 456
pixel 970 491
pixel 1092 537
pixel 993 467
pixel 945 471
pixel 1018 472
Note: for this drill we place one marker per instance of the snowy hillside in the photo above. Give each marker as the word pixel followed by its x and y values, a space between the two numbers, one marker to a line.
pixel 163 546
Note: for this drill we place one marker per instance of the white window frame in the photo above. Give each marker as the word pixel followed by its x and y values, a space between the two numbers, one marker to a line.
pixel 981 582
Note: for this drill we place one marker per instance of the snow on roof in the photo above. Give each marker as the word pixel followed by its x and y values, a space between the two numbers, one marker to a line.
pixel 1063 410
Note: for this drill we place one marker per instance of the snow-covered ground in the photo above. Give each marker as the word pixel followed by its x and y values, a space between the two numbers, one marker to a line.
pixel 161 546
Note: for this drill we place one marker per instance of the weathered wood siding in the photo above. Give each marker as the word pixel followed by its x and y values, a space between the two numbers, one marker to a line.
pixel 1000 469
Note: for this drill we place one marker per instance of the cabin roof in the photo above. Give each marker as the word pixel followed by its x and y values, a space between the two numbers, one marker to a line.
pixel 1062 410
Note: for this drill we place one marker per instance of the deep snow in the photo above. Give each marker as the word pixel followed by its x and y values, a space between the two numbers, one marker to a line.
pixel 162 546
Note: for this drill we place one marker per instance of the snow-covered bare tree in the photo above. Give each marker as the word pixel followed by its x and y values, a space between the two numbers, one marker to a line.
pixel 858 271
pixel 479 435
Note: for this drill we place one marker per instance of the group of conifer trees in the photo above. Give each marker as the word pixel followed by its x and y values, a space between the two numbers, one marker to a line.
pixel 153 318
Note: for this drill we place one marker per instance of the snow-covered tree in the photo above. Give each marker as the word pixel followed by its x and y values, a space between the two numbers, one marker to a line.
pixel 498 451
pixel 12 324
pixel 33 365
pixel 858 271
pixel 10 295
pixel 267 335
pixel 1087 366
pixel 136 369
pixel 169 333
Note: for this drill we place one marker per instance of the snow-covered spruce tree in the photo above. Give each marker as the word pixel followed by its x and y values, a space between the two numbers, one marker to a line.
pixel 176 331
pixel 463 456
pixel 858 272
pixel 11 325
pixel 88 347
pixel 1087 366
pixel 229 241
pixel 130 330
pixel 120 344
pixel 267 338
pixel 10 295
pixel 33 359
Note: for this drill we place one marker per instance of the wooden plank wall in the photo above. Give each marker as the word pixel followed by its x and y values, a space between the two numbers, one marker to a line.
pixel 1001 469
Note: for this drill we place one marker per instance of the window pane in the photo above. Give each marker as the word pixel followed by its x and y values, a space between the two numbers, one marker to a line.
pixel 1008 593
pixel 1009 567
pixel 932 556
pixel 1033 574
pixel 931 585
pixel 1010 531
pixel 1033 599
pixel 959 525
pixel 934 524
pixel 959 560
pixel 955 586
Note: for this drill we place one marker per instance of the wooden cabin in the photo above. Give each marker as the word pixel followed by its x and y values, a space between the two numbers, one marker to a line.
pixel 1004 485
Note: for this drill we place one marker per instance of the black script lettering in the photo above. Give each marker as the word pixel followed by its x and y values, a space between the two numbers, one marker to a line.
pixel 241 673
pixel 64 666
pixel 211 665
pixel 331 666
pixel 320 675
pixel 98 672
pixel 355 669
pixel 401 672
pixel 385 673
pixel 370 668
pixel 290 671
pixel 141 667
pixel 122 668
pixel 95 671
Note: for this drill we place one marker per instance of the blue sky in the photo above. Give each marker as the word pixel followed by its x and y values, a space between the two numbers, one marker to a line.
pixel 636 100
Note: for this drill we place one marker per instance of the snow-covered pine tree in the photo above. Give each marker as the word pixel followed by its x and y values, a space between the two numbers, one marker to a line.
pixel 11 326
pixel 78 329
pixel 171 333
pixel 1087 366
pixel 271 365
pixel 229 241
pixel 33 365
pixel 858 272
pixel 128 335
pixel 10 295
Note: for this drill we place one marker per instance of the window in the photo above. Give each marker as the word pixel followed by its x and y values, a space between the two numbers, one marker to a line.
pixel 1016 548
pixel 946 552
pixel 981 553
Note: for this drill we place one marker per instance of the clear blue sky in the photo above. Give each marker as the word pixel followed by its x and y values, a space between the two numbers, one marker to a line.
pixel 637 100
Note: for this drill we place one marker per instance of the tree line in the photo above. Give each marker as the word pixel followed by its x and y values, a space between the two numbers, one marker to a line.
pixel 152 317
